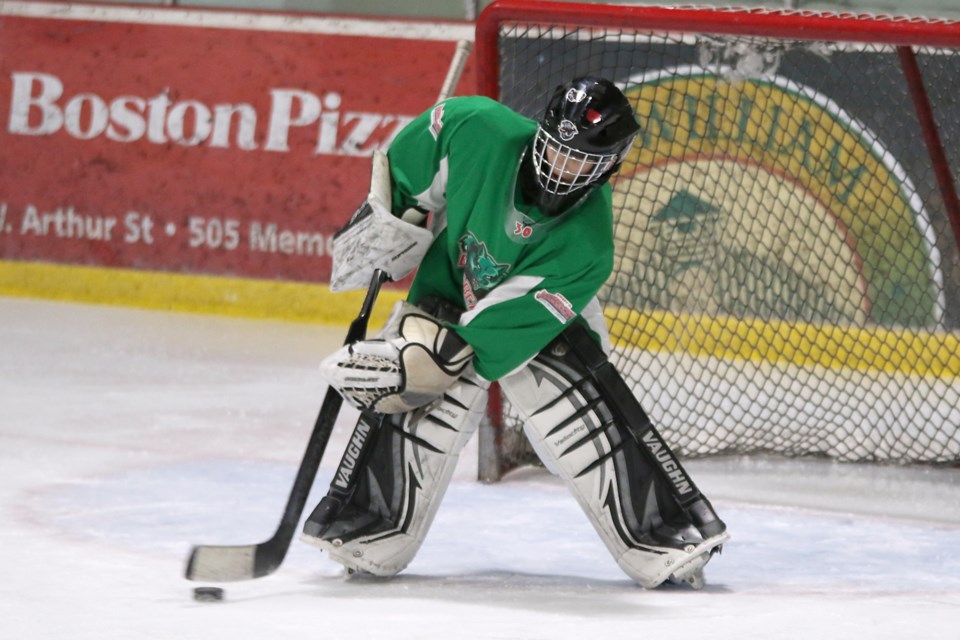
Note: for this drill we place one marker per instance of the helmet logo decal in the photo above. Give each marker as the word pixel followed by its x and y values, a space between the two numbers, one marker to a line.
pixel 567 130
pixel 576 95
pixel 593 116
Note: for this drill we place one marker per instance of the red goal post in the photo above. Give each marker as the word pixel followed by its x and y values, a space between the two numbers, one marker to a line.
pixel 786 276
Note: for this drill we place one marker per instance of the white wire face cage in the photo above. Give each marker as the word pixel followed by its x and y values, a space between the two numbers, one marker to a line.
pixel 561 169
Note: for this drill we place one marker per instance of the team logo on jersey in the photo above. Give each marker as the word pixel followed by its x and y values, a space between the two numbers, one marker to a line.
pixel 556 304
pixel 481 272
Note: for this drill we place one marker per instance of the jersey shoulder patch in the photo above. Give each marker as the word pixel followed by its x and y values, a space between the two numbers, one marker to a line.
pixel 556 304
pixel 436 120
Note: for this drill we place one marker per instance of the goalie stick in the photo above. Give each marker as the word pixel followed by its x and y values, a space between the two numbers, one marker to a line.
pixel 230 563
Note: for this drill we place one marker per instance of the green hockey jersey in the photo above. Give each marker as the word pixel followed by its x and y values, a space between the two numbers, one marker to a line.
pixel 519 275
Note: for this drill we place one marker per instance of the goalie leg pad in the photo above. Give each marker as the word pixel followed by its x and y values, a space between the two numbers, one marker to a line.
pixel 648 512
pixel 400 484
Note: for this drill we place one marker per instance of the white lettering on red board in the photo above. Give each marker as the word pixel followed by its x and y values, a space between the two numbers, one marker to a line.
pixel 203 232
pixel 38 107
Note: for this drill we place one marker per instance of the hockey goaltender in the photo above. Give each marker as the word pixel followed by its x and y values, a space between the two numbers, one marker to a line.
pixel 517 243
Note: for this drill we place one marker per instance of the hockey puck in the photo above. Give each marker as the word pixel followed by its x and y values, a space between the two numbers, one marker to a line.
pixel 208 594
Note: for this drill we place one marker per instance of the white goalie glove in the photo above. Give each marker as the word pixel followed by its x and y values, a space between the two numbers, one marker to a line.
pixel 376 239
pixel 412 365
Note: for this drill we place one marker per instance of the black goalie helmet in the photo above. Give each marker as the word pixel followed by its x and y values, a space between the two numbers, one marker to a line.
pixel 586 131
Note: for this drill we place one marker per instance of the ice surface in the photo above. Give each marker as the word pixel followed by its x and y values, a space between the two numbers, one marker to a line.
pixel 126 436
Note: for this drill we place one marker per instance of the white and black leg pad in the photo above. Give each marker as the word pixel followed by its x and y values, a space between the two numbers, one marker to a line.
pixel 400 484
pixel 588 428
pixel 413 361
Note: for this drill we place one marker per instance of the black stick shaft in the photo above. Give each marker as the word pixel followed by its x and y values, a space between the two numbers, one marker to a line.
pixel 243 562
pixel 317 444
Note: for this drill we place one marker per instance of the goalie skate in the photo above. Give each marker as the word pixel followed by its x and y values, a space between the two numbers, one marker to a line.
pixel 690 571
pixel 364 558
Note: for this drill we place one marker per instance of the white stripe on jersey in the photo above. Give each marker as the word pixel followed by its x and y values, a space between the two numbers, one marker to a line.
pixel 510 289
pixel 435 196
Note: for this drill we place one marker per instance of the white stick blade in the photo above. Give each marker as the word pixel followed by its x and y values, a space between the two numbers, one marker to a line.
pixel 221 563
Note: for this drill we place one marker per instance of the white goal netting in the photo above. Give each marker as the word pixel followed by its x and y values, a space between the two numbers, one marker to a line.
pixel 786 274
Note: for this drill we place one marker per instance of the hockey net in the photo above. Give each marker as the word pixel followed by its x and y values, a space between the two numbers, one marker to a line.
pixel 786 275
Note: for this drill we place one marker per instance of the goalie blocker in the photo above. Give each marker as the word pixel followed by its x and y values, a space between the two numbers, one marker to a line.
pixel 374 238
pixel 587 428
